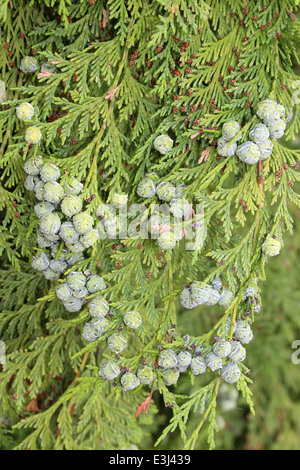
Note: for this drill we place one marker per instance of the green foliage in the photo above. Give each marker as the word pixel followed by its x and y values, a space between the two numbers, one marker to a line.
pixel 126 72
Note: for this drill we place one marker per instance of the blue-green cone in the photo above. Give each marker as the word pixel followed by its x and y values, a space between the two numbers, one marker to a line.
pixel 109 370
pixel 238 352
pixel 222 348
pixel 184 359
pixel 53 192
pixel 167 359
pixel 170 376
pixel 94 329
pixel 83 222
pixel 132 319
pixel 129 381
pixel 226 297
pixel 40 261
pixel 163 143
pixel 49 224
pixel 213 362
pixel 49 172
pixel 98 307
pixel 63 292
pixel 76 280
pixel 33 165
pixel 117 343
pixel 95 284
pixel 230 373
pixel 145 375
pixel 198 365
pixel 71 205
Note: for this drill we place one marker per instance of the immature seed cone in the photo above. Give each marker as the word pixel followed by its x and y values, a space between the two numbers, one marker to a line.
pixel 72 186
pixel 75 258
pixel 33 165
pixel 266 149
pixel 167 359
pixel 146 188
pixel 170 376
pixel 204 293
pixel 89 238
pixel 180 190
pixel 132 320
pixel 40 261
pixel 49 172
pixel 51 237
pixel 248 152
pixel 25 111
pixel 29 64
pixel 226 297
pixel 39 189
pixel 145 375
pixel 120 199
pixel 277 129
pixel 73 305
pixel 238 352
pixel 81 294
pixel 267 111
pixel 53 192
pixel 83 222
pixel 49 224
pixel 213 362
pixel 222 348
pixel 271 247
pixel 75 247
pixel 217 284
pixel 230 130
pixel 163 143
pixel 166 191
pixel 94 329
pixel 186 299
pixel 30 183
pixel 33 135
pixel 43 208
pixel 230 373
pixel 71 205
pixel 109 370
pixel 95 284
pixel 166 241
pixel 225 149
pixel 63 292
pixel 42 241
pixel 259 134
pixel 76 280
pixel 250 292
pixel 180 207
pixel 198 365
pixel 49 68
pixel 98 307
pixel 68 233
pixel 129 381
pixel 49 274
pixel 117 343
pixel 58 266
pixel 184 359
pixel 243 332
